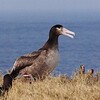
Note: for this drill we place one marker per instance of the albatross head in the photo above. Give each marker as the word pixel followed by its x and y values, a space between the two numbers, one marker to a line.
pixel 60 30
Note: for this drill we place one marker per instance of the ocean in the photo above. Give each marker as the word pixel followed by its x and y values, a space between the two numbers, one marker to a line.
pixel 19 38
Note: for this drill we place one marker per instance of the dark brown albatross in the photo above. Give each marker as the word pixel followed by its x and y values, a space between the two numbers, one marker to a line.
pixel 39 63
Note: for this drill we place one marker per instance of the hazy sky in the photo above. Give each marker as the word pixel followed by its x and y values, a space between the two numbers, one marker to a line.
pixel 49 5
pixel 46 9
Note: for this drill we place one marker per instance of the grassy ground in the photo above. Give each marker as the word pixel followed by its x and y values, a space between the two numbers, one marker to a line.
pixel 80 86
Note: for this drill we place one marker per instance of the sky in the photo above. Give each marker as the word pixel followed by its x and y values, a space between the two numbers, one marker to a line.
pixel 49 7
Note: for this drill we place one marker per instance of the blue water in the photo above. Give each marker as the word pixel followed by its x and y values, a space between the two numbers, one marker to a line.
pixel 19 38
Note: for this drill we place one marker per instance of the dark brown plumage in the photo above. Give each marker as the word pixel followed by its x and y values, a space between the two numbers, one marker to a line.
pixel 7 82
pixel 39 63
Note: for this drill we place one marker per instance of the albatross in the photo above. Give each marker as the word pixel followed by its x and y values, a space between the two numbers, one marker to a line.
pixel 39 63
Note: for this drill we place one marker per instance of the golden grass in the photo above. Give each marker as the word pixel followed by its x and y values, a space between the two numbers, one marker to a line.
pixel 77 87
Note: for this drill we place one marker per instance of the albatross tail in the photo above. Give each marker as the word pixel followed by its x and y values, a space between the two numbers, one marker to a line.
pixel 7 82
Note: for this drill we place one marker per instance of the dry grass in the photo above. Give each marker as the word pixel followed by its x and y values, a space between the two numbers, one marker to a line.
pixel 77 87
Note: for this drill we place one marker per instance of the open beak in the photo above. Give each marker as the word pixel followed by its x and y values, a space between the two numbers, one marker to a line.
pixel 68 33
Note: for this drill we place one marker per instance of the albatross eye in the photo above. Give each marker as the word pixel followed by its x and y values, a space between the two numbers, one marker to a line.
pixel 59 29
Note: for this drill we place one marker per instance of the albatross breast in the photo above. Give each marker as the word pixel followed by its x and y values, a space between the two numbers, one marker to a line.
pixel 52 59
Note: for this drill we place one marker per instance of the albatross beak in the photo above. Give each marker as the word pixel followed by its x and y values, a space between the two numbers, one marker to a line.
pixel 68 33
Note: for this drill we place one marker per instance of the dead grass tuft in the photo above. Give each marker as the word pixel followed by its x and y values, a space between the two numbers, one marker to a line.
pixel 79 87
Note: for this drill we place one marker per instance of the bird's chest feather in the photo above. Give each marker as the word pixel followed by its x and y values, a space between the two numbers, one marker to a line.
pixel 52 58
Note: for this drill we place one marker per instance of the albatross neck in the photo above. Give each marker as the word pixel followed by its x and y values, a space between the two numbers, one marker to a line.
pixel 52 42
